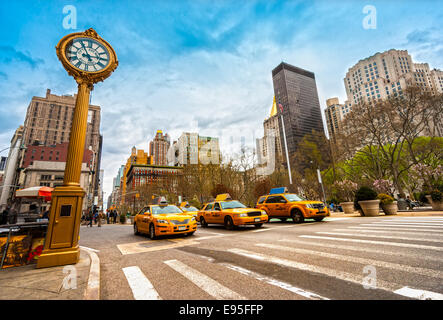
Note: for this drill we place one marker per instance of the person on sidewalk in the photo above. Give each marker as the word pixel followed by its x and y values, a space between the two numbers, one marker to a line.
pixel 4 216
pixel 90 218
pixel 99 218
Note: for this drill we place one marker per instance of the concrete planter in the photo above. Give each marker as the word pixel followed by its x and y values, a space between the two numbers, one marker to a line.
pixel 390 208
pixel 436 206
pixel 348 207
pixel 371 208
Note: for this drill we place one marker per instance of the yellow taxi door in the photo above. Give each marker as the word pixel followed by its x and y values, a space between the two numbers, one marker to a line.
pixel 281 207
pixel 144 220
pixel 217 214
pixel 207 213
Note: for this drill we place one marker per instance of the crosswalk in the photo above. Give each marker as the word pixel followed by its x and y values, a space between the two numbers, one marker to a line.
pixel 406 252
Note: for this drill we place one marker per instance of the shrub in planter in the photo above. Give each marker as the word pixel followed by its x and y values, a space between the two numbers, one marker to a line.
pixel 122 219
pixel 387 203
pixel 345 192
pixel 366 201
pixel 436 200
pixel 436 195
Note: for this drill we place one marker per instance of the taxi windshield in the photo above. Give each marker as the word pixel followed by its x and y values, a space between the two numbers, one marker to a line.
pixel 293 197
pixel 232 205
pixel 165 209
pixel 191 209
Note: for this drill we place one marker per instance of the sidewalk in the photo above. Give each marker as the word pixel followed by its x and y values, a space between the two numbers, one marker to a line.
pixel 410 213
pixel 30 283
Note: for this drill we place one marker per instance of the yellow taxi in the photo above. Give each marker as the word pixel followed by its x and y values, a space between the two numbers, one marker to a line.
pixel 281 204
pixel 230 213
pixel 162 218
pixel 188 209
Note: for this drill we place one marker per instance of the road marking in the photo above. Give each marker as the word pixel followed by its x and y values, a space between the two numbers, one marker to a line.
pixel 142 288
pixel 390 232
pixel 365 250
pixel 376 236
pixel 383 264
pixel 440 225
pixel 341 275
pixel 419 294
pixel 398 225
pixel 336 219
pixel 204 282
pixel 400 229
pixel 90 249
pixel 394 244
pixel 137 247
pixel 275 282
pixel 412 220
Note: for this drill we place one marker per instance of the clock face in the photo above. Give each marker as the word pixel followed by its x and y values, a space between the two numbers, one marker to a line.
pixel 87 54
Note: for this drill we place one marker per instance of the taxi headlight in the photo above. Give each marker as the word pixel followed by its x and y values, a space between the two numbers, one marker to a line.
pixel 263 212
pixel 162 221
pixel 243 215
pixel 193 219
pixel 309 205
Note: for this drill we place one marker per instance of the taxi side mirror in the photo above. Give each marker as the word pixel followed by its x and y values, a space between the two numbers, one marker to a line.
pixel 217 209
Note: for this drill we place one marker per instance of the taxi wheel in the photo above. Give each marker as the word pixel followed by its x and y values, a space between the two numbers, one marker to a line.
pixel 203 222
pixel 229 224
pixel 152 232
pixel 190 233
pixel 319 219
pixel 297 216
pixel 136 232
pixel 258 225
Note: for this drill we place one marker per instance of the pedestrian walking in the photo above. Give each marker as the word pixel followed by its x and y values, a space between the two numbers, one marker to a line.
pixel 4 216
pixel 107 216
pixel 90 218
pixel 114 216
pixel 99 218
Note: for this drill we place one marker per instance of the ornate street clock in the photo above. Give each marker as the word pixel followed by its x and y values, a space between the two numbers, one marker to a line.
pixel 87 56
pixel 89 59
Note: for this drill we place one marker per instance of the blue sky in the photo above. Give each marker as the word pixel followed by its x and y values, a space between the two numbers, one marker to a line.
pixel 200 65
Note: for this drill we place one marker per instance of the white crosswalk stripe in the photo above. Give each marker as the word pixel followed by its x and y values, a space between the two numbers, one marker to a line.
pixel 360 231
pixel 419 294
pixel 365 261
pixel 398 229
pixel 376 236
pixel 142 288
pixel 400 225
pixel 207 284
pixel 384 243
pixel 338 274
pixel 412 223
pixel 384 250
pixel 275 282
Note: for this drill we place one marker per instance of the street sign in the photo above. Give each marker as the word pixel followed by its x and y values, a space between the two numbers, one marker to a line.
pixel 319 175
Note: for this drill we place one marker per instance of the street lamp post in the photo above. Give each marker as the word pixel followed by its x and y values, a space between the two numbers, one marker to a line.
pixel 89 59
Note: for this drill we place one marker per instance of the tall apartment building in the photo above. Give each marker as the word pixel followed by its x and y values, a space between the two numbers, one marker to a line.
pixel 296 90
pixel 190 148
pixel 271 130
pixel 48 122
pixel 334 113
pixel 387 74
pixel 137 157
pixel 158 148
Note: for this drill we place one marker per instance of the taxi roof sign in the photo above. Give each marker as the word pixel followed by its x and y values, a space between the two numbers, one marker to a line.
pixel 279 190
pixel 223 197
pixel 161 201
pixel 185 204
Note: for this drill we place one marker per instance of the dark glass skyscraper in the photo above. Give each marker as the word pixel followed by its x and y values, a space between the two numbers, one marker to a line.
pixel 295 89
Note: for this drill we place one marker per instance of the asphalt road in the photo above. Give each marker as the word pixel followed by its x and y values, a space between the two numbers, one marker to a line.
pixel 341 258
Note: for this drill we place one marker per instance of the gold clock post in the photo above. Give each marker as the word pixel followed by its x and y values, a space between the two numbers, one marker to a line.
pixel 87 66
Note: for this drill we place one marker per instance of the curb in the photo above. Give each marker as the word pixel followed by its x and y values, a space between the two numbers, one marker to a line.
pixel 92 291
